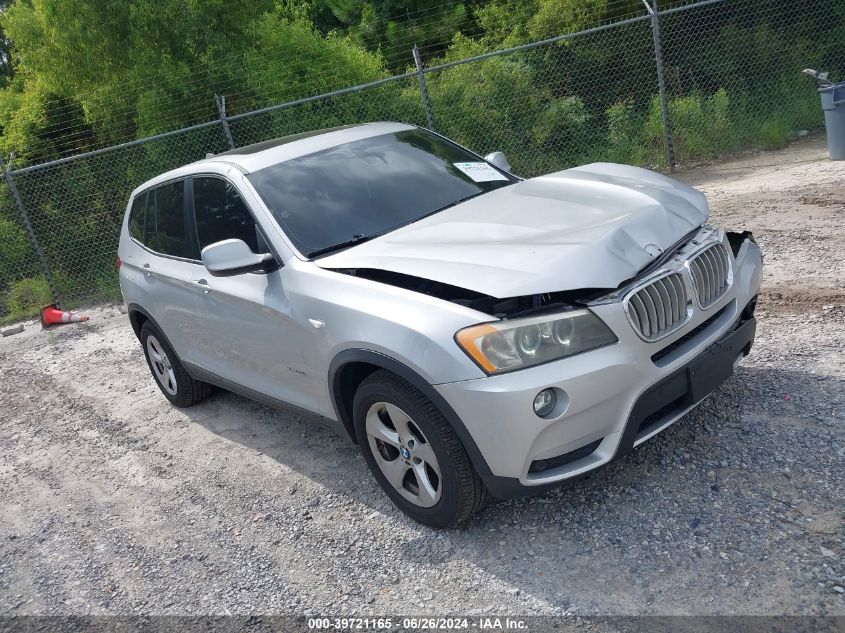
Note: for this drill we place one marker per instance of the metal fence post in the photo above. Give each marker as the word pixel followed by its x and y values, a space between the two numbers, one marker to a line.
pixel 423 90
pixel 221 110
pixel 33 239
pixel 661 84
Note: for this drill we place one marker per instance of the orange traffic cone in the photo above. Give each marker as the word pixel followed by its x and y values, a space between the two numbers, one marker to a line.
pixel 51 315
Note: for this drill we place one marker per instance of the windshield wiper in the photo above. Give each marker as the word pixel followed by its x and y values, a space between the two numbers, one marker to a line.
pixel 452 204
pixel 355 239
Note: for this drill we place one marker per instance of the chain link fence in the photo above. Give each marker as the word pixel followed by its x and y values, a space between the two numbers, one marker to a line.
pixel 687 83
pixel 732 88
pixel 543 106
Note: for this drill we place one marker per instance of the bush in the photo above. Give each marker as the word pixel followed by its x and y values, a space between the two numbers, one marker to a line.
pixel 500 104
pixel 26 297
pixel 701 125
pixel 625 138
pixel 773 132
pixel 16 256
pixel 561 122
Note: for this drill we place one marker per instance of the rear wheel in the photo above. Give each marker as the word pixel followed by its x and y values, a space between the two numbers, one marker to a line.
pixel 175 383
pixel 414 453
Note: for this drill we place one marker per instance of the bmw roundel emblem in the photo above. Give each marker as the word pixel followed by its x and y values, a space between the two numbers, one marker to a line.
pixel 405 453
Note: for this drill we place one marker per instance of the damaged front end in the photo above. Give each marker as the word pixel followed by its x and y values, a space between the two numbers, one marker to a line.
pixel 525 305
pixel 535 304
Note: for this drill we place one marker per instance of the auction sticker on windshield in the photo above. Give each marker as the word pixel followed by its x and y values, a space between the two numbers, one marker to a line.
pixel 480 172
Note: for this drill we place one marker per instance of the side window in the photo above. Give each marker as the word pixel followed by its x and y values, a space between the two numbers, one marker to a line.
pixel 171 233
pixel 221 214
pixel 137 216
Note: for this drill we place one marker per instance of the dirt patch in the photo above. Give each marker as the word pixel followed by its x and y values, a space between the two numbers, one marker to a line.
pixel 799 300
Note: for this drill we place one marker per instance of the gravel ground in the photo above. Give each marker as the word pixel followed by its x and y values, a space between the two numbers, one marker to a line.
pixel 114 502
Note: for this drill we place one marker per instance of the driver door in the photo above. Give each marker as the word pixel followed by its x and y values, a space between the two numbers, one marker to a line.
pixel 246 333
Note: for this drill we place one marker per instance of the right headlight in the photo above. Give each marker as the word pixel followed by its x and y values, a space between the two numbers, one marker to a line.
pixel 504 346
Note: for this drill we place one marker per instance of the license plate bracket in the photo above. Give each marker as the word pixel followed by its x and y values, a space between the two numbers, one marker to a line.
pixel 716 364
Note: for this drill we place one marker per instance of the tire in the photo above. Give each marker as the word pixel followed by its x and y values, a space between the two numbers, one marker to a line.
pixel 175 383
pixel 433 453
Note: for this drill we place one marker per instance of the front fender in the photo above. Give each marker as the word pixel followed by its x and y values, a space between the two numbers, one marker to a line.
pixel 379 360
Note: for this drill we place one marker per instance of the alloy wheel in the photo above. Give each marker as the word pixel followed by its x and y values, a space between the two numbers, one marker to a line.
pixel 160 363
pixel 404 454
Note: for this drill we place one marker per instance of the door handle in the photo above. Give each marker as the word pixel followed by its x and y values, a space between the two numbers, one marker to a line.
pixel 203 285
pixel 147 270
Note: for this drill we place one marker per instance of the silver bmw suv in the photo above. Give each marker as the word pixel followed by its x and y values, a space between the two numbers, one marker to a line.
pixel 473 332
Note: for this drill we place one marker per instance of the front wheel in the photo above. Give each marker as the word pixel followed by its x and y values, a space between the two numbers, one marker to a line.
pixel 175 382
pixel 414 453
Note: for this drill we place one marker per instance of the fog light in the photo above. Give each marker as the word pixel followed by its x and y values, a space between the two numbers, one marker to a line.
pixel 544 402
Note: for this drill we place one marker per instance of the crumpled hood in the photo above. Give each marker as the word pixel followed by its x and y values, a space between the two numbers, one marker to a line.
pixel 587 227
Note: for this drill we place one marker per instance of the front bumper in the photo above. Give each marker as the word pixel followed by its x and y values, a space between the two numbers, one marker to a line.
pixel 618 396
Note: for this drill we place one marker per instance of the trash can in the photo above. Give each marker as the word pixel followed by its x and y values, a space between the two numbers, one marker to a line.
pixel 833 104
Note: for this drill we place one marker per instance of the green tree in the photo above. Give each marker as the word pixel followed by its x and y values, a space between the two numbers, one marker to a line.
pixel 116 68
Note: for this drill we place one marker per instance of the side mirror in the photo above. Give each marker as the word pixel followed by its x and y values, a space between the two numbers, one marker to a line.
pixel 233 257
pixel 499 160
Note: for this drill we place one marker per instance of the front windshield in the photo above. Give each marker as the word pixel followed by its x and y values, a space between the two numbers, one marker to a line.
pixel 366 188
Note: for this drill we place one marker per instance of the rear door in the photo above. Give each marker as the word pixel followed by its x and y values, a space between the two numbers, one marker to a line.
pixel 166 264
pixel 246 333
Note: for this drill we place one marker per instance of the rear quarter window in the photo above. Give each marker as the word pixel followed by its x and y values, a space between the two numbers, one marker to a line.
pixel 157 220
pixel 150 234
pixel 137 217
